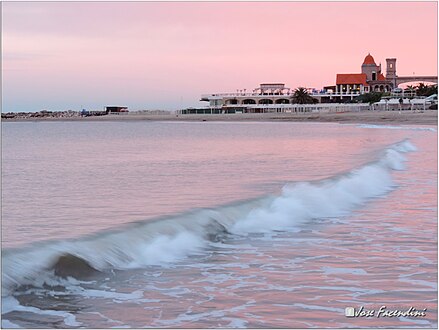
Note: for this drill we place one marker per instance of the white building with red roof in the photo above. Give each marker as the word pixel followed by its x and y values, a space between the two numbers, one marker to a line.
pixel 370 79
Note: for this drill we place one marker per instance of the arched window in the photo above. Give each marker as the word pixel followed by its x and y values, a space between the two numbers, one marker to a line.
pixel 265 101
pixel 248 101
pixel 282 101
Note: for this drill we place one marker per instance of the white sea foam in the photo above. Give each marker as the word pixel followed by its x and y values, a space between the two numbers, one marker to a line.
pixel 6 324
pixel 168 240
pixel 10 304
pixel 338 270
pixel 330 198
pixel 117 296
pixel 235 322
pixel 431 129
pixel 165 249
pixel 314 307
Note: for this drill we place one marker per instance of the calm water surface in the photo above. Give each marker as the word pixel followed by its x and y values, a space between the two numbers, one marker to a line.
pixel 210 224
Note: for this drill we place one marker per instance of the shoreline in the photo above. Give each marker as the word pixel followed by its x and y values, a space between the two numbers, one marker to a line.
pixel 407 117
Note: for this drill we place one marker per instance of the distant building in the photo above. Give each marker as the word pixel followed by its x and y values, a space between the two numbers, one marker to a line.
pixel 268 93
pixel 275 97
pixel 370 78
pixel 115 109
pixel 347 87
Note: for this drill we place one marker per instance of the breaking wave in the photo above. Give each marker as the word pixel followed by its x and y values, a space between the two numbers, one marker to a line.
pixel 167 240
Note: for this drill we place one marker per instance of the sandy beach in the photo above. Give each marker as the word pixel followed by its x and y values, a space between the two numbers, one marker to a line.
pixel 428 117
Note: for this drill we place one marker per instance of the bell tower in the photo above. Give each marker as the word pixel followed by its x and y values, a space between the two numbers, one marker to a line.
pixel 391 71
pixel 391 68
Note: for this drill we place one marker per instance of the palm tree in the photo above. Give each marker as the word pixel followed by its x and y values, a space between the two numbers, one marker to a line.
pixel 426 90
pixel 411 91
pixel 301 96
pixel 421 89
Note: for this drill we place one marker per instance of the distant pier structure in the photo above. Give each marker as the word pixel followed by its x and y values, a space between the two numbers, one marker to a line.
pixel 398 80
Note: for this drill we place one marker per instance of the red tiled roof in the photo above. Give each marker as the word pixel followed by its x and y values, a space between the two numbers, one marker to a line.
pixel 369 60
pixel 381 77
pixel 351 78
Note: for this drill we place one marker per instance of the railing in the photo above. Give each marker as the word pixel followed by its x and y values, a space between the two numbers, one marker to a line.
pixel 319 107
pixel 258 95
pixel 242 95
pixel 403 93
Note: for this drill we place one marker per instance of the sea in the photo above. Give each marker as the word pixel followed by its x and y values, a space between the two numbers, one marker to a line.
pixel 149 224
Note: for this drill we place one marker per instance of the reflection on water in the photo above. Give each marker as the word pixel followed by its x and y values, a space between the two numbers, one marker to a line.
pixel 384 253
pixel 64 180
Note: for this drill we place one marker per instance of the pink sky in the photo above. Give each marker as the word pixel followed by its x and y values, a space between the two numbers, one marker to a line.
pixel 164 55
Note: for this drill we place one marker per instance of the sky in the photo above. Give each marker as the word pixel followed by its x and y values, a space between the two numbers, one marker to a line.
pixel 164 55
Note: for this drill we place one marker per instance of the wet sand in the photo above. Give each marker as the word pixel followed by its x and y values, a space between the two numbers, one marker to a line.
pixel 428 117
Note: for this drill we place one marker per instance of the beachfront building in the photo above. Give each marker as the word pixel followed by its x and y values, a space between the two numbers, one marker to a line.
pixel 268 97
pixel 375 80
pixel 276 97
pixel 347 87
pixel 371 79
pixel 272 93
pixel 116 110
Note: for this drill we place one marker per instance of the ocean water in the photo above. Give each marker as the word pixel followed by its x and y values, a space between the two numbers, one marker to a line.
pixel 218 225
